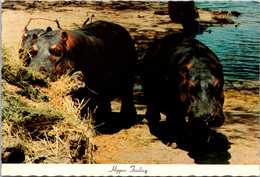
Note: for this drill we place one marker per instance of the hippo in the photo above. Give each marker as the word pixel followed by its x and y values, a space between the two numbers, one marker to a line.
pixel 182 79
pixel 105 54
pixel 186 13
pixel 182 11
pixel 28 39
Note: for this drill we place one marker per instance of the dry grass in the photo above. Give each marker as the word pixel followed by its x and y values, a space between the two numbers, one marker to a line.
pixel 41 117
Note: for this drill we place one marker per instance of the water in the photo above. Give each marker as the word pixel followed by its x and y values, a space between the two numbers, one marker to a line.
pixel 237 47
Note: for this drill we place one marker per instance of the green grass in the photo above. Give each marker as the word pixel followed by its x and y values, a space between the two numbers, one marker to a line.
pixel 41 116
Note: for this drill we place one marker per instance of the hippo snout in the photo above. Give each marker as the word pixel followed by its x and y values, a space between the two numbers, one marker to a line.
pixel 214 119
pixel 42 64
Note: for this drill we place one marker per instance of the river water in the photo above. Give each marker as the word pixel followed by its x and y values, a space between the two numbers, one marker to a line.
pixel 236 45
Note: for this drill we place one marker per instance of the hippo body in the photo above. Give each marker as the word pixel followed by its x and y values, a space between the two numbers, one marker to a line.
pixel 104 52
pixel 182 79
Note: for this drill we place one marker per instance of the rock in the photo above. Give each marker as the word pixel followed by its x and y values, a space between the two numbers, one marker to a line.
pixel 235 13
pixel 160 12
pixel 174 145
pixel 13 154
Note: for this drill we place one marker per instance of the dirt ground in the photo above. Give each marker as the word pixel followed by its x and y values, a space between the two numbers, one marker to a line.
pixel 144 21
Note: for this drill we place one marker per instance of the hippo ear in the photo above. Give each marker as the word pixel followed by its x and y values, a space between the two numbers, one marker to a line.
pixel 25 30
pixel 64 36
pixel 24 38
pixel 48 29
pixel 34 37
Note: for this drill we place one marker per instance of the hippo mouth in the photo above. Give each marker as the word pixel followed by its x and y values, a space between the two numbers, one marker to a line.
pixel 24 53
pixel 212 120
pixel 203 126
pixel 209 117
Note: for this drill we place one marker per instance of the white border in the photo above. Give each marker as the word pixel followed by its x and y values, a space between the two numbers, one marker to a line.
pixel 147 170
pixel 151 170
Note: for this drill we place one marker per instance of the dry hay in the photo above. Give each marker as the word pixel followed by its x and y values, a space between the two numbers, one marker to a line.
pixel 40 121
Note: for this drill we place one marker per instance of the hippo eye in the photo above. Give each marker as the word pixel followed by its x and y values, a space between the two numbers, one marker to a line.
pixel 216 88
pixel 216 85
pixel 57 51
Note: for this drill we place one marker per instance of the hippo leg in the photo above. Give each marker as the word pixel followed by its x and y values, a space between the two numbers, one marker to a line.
pixel 104 107
pixel 154 117
pixel 84 94
pixel 128 111
pixel 103 111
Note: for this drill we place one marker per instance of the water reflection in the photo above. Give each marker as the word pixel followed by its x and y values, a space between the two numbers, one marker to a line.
pixel 236 45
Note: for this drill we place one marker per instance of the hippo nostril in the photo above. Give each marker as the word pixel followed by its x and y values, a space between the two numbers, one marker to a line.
pixel 21 50
pixel 42 69
pixel 206 118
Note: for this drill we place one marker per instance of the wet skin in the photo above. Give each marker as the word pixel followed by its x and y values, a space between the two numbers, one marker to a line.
pixel 182 79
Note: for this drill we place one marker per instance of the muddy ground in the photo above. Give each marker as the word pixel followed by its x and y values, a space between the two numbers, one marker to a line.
pixel 238 137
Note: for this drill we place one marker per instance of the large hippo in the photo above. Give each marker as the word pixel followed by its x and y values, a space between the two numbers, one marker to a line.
pixel 182 79
pixel 28 39
pixel 104 52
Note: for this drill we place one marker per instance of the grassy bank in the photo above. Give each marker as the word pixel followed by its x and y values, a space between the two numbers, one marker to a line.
pixel 40 121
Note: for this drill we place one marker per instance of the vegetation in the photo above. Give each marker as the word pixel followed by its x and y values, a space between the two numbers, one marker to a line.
pixel 40 118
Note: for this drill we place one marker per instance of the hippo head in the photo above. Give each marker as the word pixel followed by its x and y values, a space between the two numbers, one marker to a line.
pixel 51 54
pixel 28 39
pixel 201 91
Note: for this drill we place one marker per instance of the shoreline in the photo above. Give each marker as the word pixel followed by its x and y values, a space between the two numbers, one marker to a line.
pixel 246 85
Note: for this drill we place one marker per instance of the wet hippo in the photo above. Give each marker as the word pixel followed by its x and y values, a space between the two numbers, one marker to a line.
pixel 104 52
pixel 182 79
pixel 28 39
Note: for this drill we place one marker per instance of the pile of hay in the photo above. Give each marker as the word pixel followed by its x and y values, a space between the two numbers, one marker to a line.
pixel 40 121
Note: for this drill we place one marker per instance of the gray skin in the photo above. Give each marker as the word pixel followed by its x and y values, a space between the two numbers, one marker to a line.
pixel 28 39
pixel 182 79
pixel 104 52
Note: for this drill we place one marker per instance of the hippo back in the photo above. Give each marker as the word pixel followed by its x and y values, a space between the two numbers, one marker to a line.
pixel 115 56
